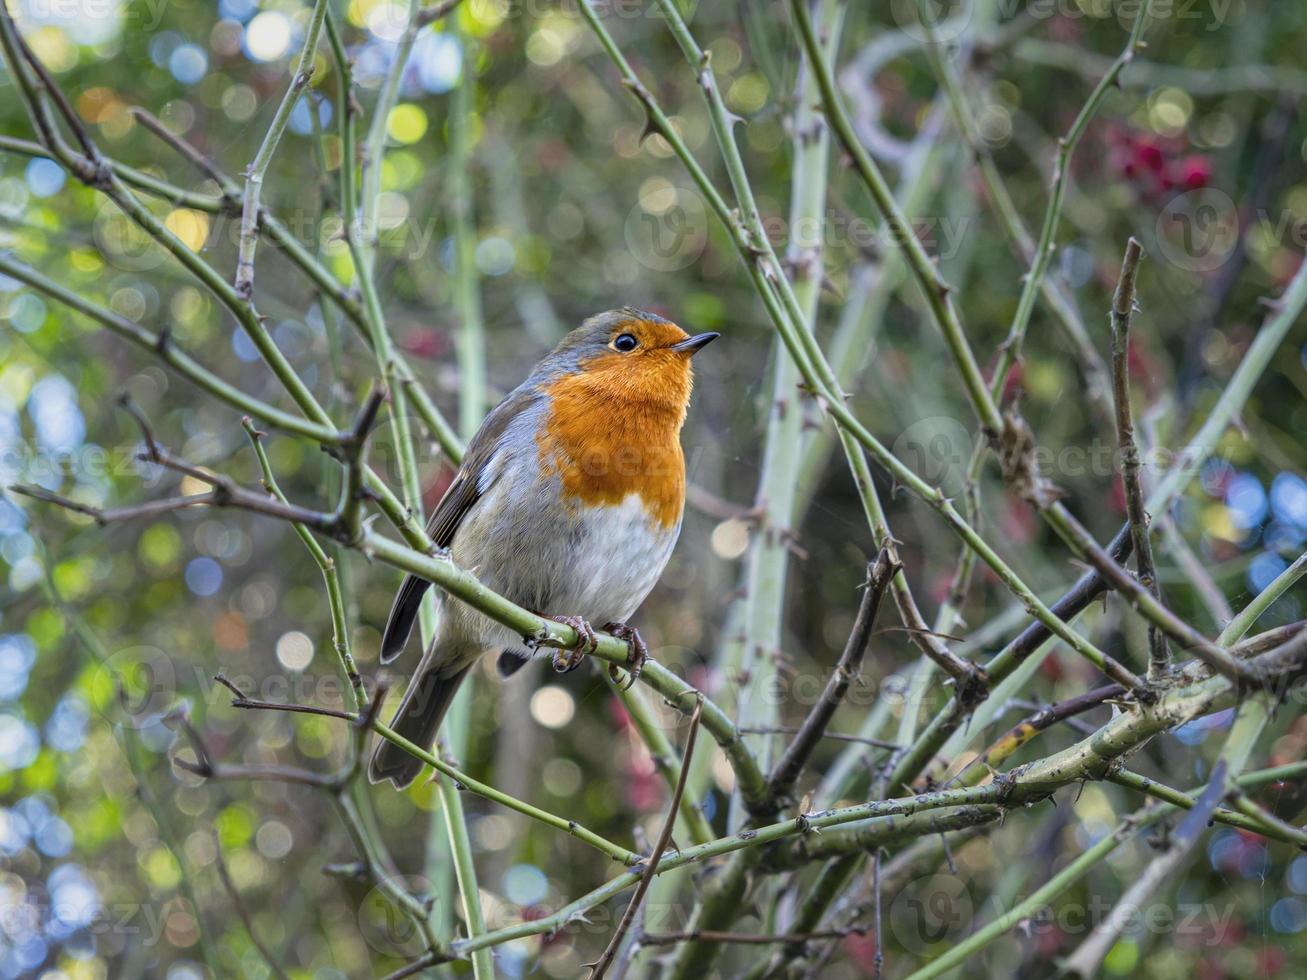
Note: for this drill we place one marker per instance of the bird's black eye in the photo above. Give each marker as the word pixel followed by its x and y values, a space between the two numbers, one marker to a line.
pixel 625 343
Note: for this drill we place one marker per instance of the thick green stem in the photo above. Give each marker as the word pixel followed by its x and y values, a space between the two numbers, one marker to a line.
pixel 774 504
pixel 466 286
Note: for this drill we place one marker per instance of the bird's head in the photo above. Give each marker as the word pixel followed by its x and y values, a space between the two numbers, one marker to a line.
pixel 630 355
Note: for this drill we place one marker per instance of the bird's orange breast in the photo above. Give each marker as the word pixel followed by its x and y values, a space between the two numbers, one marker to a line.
pixel 613 429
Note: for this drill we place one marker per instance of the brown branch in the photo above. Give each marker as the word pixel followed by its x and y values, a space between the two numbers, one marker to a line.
pixel 418 965
pixel 876 743
pixel 600 967
pixel 1074 601
pixel 436 12
pixel 354 451
pixel 241 700
pixel 98 171
pixel 1123 307
pixel 244 913
pixel 345 523
pixel 225 493
pixel 1272 638
pixel 182 147
pixel 1042 720
pixel 1133 591
pixel 971 680
pixel 746 939
pixel 799 751
pixel 206 767
pixel 110 515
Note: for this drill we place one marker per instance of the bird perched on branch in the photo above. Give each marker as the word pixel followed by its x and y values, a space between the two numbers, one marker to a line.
pixel 568 502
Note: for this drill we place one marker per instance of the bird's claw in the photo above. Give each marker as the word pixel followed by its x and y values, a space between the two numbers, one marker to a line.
pixel 587 643
pixel 639 652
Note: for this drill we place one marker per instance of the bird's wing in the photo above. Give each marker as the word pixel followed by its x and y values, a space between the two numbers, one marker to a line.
pixel 465 490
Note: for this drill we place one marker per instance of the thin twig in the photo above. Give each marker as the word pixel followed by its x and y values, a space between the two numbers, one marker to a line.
pixel 1123 306
pixel 876 743
pixel 182 147
pixel 599 968
pixel 1042 720
pixel 744 938
pixel 244 913
pixel 791 764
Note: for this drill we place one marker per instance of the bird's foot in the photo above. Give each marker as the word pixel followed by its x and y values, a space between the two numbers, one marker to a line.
pixel 639 652
pixel 587 642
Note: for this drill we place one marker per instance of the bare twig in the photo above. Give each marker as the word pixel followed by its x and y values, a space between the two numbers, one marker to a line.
pixel 600 967
pixel 182 147
pixel 1123 306
pixel 876 743
pixel 791 764
pixel 1134 592
pixel 744 938
pixel 1028 728
pixel 244 913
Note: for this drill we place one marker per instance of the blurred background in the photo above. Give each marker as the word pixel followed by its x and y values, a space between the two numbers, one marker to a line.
pixel 112 855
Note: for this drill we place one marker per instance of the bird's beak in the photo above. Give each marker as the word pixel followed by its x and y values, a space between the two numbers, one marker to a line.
pixel 690 345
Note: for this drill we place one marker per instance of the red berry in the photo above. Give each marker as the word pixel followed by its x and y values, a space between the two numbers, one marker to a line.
pixel 1150 155
pixel 1195 170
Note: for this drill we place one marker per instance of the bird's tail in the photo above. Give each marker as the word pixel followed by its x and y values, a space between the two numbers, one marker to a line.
pixel 429 695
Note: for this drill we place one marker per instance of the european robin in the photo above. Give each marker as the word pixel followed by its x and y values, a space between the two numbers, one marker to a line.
pixel 568 502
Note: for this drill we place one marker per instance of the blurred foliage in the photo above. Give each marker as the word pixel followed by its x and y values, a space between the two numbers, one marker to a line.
pixel 104 842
